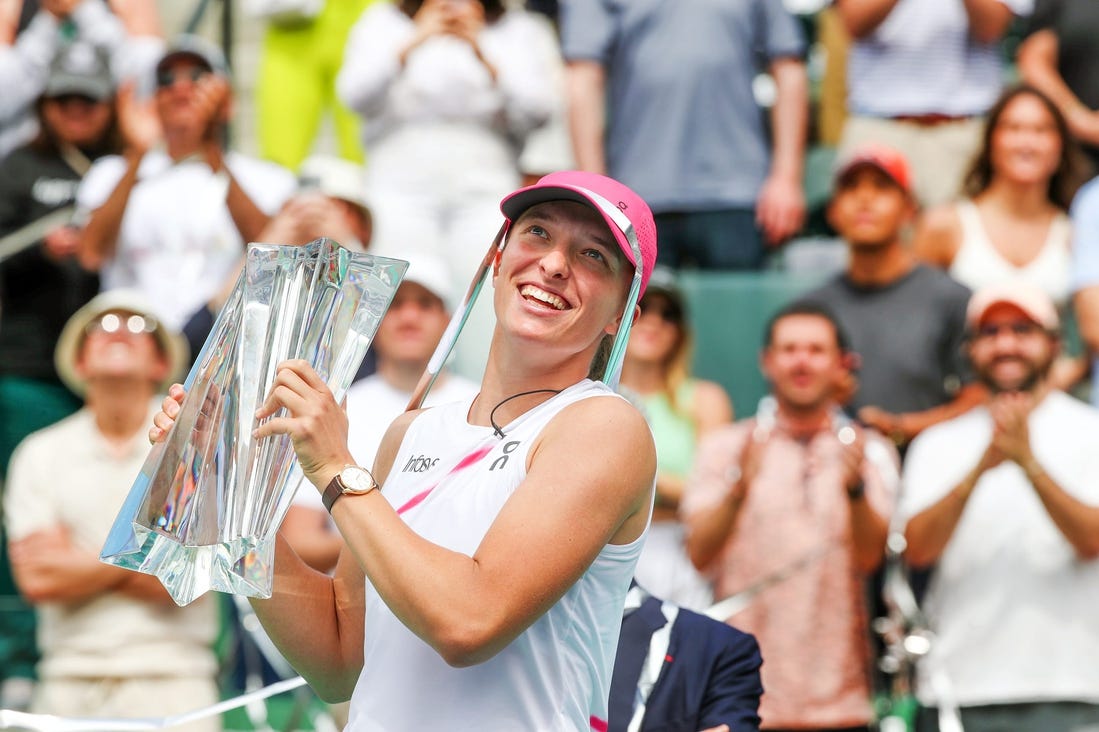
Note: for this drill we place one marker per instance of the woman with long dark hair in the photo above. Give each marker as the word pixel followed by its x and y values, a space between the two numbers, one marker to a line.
pixel 1013 222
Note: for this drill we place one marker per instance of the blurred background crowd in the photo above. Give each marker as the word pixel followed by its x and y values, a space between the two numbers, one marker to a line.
pixel 867 354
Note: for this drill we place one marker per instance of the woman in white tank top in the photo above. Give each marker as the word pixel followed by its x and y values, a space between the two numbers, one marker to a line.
pixel 1012 223
pixel 482 587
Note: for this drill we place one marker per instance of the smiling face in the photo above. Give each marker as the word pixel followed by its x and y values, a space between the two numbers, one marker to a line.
pixel 561 281
pixel 803 362
pixel 1009 351
pixel 1025 143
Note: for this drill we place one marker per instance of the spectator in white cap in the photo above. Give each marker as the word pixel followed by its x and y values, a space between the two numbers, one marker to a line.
pixel 171 215
pixel 1003 499
pixel 404 343
pixel 113 643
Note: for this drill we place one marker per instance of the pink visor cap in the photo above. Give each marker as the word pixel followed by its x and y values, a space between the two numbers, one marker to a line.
pixel 626 214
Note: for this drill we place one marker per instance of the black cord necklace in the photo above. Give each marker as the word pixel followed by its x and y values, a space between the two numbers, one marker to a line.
pixel 495 427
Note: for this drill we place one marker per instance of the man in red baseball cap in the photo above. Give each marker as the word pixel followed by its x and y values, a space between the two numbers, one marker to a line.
pixel 881 157
pixel 484 586
pixel 906 320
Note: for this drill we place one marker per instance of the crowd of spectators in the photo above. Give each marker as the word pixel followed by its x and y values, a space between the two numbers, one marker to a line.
pixel 929 391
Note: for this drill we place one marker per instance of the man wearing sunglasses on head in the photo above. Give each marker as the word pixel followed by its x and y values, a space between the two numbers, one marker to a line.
pixel 113 644
pixel 1003 499
pixel 171 215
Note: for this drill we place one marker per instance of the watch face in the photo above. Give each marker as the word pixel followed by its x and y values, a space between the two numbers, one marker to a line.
pixel 356 480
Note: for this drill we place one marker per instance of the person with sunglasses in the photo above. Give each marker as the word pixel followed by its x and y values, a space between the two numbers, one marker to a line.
pixel 171 215
pixel 34 34
pixel 483 584
pixel 1004 501
pixel 113 644
pixel 680 409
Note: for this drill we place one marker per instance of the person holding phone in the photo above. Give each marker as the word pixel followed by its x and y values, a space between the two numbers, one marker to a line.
pixel 448 91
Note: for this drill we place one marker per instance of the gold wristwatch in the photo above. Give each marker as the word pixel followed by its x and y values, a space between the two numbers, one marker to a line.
pixel 352 480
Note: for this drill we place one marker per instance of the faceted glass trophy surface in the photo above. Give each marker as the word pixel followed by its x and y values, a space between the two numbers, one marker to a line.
pixel 203 512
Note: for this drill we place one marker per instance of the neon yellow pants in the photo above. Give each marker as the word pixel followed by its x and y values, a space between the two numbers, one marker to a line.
pixel 297 85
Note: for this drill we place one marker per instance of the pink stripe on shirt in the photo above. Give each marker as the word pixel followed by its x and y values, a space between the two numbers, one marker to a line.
pixel 465 462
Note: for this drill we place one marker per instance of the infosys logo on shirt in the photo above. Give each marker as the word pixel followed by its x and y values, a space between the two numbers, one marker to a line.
pixel 419 464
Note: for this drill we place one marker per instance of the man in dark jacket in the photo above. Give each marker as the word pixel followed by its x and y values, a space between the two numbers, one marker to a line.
pixel 679 670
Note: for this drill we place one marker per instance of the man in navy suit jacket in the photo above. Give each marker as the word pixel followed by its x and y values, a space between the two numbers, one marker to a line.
pixel 679 671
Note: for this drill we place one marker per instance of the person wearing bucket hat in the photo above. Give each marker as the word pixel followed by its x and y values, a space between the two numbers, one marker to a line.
pixel 486 582
pixel 1004 503
pixel 172 214
pixel 91 319
pixel 112 642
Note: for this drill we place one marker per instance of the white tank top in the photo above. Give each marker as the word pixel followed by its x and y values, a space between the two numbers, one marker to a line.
pixel 448 482
pixel 978 263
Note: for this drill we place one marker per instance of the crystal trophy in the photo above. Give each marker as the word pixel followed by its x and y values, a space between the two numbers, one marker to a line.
pixel 203 513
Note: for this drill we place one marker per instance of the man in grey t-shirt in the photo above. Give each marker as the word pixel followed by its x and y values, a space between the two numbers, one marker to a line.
pixel 906 320
pixel 661 98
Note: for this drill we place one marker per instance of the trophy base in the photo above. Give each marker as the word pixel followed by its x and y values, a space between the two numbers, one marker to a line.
pixel 239 567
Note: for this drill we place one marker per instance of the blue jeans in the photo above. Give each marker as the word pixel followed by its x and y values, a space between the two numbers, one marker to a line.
pixel 727 239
